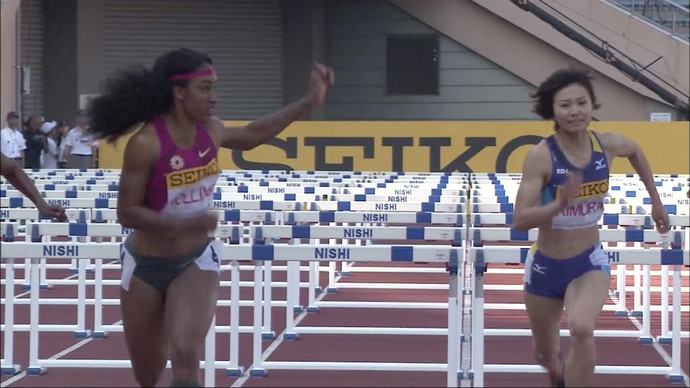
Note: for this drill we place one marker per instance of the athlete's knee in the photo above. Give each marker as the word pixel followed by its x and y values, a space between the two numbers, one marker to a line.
pixel 544 357
pixel 581 329
pixel 146 377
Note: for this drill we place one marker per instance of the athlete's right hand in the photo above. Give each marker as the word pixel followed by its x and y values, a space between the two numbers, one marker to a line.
pixel 570 189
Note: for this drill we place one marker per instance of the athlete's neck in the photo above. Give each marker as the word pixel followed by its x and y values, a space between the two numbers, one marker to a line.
pixel 575 142
pixel 182 128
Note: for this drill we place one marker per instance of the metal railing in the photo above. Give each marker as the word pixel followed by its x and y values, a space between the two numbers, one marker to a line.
pixel 673 16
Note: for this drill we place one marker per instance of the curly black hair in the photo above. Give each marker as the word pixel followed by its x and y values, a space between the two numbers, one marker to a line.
pixel 543 96
pixel 136 95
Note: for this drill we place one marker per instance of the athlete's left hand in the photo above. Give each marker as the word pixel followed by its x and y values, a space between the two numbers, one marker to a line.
pixel 322 77
pixel 660 217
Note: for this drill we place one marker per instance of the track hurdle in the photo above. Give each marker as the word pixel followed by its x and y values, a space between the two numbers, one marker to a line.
pixel 371 253
pixel 99 252
pixel 506 255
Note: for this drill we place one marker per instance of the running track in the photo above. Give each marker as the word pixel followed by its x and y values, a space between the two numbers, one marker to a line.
pixel 320 347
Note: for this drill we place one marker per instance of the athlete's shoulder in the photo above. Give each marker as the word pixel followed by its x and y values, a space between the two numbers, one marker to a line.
pixel 144 142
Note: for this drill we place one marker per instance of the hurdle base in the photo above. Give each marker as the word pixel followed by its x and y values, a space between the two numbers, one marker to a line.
pixel 82 334
pixel 45 287
pixel 99 334
pixel 234 372
pixel 345 273
pixel 10 370
pixel 646 340
pixel 470 375
pixel 90 270
pixel 318 289
pixel 636 313
pixel 621 313
pixel 664 340
pixel 268 335
pixel 73 270
pixel 461 375
pixel 258 372
pixel 466 291
pixel 312 309
pixel 331 290
pixel 290 336
pixel 35 371
pixel 675 378
pixel 297 309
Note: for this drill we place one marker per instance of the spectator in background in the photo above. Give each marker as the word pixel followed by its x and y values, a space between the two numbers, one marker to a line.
pixel 61 138
pixel 49 159
pixel 35 142
pixel 81 147
pixel 12 140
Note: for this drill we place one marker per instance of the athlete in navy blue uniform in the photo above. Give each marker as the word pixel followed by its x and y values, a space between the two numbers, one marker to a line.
pixel 564 181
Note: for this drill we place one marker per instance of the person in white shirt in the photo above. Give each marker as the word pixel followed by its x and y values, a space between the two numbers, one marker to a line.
pixel 61 139
pixel 49 157
pixel 81 146
pixel 12 140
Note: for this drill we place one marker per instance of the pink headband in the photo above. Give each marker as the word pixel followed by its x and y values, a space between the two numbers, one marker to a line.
pixel 192 74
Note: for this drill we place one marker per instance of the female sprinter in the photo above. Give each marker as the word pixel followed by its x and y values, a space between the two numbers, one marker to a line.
pixel 170 269
pixel 564 180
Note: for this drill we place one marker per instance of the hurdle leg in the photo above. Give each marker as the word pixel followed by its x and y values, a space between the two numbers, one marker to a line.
pixel 290 305
pixel 665 336
pixel 81 331
pixel 637 288
pixel 675 375
pixel 257 362
pixel 477 335
pixel 98 301
pixel 8 367
pixel 453 328
pixel 27 274
pixel 313 284
pixel 234 370
pixel 646 337
pixel 43 273
pixel 34 368
pixel 331 288
pixel 268 297
pixel 209 354
pixel 622 291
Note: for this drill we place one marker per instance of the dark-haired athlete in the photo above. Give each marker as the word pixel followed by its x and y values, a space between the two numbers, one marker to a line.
pixel 564 181
pixel 170 268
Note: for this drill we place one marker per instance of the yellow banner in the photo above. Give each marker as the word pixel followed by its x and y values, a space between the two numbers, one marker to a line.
pixel 423 146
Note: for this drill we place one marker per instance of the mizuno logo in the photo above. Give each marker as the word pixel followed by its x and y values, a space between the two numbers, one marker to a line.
pixel 538 268
pixel 600 164
pixel 202 154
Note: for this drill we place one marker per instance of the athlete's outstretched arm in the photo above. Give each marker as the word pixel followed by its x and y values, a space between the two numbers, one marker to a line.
pixel 265 128
pixel 13 172
pixel 620 146
pixel 139 159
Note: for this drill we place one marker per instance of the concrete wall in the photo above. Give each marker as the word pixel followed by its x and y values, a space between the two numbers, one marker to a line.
pixel 8 58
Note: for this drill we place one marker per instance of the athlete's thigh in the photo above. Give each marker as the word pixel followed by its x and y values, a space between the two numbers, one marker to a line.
pixel 190 304
pixel 586 295
pixel 143 322
pixel 545 320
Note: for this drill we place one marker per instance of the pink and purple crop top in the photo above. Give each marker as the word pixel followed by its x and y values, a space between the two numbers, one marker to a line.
pixel 183 180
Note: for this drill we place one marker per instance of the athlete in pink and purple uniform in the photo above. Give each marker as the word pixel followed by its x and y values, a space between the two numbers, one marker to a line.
pixel 170 266
pixel 564 181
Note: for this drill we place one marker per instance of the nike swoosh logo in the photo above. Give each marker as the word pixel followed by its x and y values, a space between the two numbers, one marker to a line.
pixel 202 154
